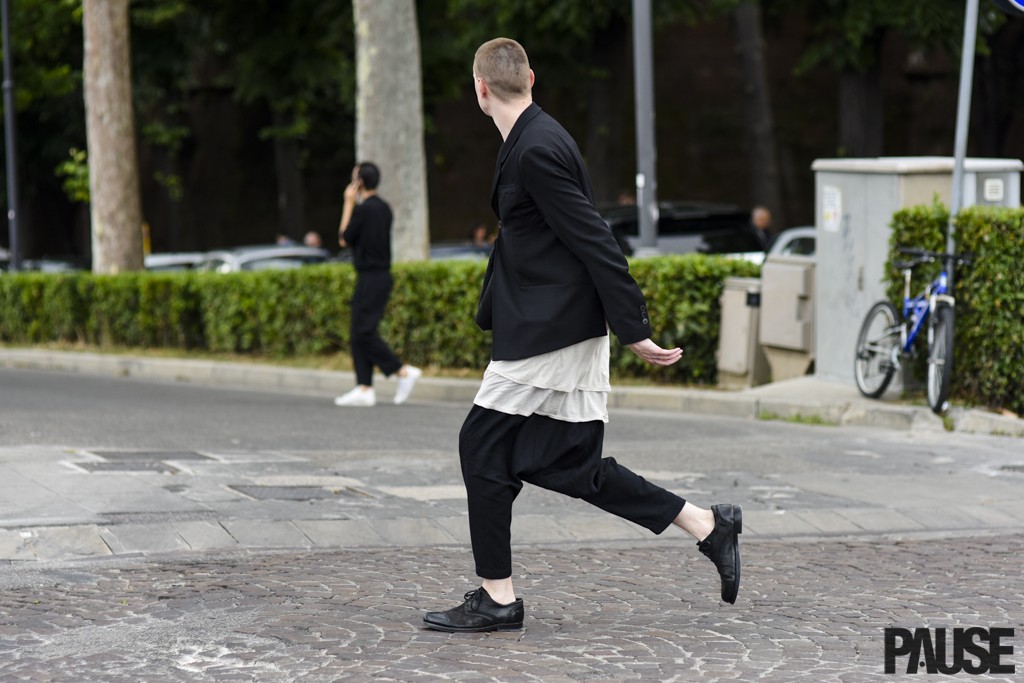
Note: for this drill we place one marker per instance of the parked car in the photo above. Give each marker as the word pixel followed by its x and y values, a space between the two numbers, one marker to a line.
pixel 686 227
pixel 56 264
pixel 461 251
pixel 170 261
pixel 794 242
pixel 46 264
pixel 262 257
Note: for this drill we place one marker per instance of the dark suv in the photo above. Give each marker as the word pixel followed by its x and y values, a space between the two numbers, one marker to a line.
pixel 686 227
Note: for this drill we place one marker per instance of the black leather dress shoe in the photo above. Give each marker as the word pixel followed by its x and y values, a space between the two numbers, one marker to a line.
pixel 722 546
pixel 477 614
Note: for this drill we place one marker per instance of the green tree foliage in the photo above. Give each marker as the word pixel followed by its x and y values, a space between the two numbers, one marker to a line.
pixel 847 34
pixel 46 47
pixel 988 365
pixel 293 56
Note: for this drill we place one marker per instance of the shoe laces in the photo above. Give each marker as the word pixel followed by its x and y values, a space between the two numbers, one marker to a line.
pixel 473 595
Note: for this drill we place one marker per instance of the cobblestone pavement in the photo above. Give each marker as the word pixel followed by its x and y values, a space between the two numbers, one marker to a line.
pixel 648 610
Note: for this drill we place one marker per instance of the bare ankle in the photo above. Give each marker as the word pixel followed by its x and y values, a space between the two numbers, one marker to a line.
pixel 697 522
pixel 500 590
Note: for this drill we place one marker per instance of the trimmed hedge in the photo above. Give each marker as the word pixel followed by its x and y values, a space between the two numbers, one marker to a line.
pixel 988 366
pixel 306 311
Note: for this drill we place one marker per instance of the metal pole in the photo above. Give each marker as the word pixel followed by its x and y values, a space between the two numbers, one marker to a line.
pixel 646 176
pixel 9 137
pixel 963 120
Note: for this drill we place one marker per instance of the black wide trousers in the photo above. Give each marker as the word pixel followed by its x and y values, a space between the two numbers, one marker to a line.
pixel 373 288
pixel 499 452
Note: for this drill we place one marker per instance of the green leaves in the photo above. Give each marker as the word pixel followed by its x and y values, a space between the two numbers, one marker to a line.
pixel 306 311
pixel 75 172
pixel 989 329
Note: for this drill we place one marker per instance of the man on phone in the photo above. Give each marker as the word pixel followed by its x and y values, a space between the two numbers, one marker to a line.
pixel 366 227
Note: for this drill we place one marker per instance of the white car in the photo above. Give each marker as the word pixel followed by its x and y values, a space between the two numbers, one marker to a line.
pixel 269 257
pixel 171 261
pixel 794 242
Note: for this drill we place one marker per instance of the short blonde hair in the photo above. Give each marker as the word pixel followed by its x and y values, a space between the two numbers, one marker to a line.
pixel 504 66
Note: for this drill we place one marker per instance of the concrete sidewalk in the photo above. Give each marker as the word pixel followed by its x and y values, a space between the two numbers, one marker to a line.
pixel 806 398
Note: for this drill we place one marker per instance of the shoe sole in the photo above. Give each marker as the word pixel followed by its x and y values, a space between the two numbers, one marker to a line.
pixel 477 629
pixel 737 525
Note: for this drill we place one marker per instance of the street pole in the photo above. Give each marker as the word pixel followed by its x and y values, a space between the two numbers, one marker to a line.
pixel 9 137
pixel 963 120
pixel 646 177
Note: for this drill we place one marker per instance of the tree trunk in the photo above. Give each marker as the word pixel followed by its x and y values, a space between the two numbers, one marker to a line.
pixel 113 167
pixel 765 179
pixel 291 197
pixel 389 116
pixel 860 113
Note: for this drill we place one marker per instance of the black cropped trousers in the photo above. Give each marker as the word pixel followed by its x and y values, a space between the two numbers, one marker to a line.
pixel 498 452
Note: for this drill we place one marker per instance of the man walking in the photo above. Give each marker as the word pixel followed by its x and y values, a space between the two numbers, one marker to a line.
pixel 366 227
pixel 555 282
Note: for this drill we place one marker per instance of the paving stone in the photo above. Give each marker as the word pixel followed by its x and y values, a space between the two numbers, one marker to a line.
pixel 63 542
pixel 132 538
pixel 619 611
pixel 410 531
pixel 879 519
pixel 266 533
pixel 340 532
pixel 203 535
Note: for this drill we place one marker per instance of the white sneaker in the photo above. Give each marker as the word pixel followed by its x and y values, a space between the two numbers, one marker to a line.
pixel 357 397
pixel 406 384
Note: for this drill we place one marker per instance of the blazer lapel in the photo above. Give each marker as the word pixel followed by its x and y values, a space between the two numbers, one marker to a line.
pixel 524 119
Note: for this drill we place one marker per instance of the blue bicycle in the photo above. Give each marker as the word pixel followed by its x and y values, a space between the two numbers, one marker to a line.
pixel 886 338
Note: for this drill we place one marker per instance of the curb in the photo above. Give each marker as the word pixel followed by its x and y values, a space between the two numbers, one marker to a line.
pixel 799 404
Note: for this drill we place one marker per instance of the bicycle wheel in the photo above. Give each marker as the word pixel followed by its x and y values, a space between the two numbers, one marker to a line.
pixel 878 346
pixel 940 357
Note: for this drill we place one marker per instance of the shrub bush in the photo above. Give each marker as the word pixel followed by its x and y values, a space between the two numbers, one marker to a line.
pixel 306 311
pixel 989 322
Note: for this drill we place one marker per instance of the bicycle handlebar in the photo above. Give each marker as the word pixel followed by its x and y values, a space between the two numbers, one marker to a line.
pixel 925 256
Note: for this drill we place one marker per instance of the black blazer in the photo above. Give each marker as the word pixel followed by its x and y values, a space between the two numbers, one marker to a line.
pixel 556 274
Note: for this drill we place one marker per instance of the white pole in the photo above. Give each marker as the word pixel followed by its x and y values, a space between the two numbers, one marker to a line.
pixel 646 176
pixel 963 120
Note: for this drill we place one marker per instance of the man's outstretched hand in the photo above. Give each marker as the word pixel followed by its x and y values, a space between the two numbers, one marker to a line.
pixel 654 354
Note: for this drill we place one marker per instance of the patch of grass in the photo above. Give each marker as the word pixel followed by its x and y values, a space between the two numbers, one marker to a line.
pixel 799 418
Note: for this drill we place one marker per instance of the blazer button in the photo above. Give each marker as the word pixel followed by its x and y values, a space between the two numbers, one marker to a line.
pixel 644 321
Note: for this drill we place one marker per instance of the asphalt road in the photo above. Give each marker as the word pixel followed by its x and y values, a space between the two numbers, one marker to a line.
pixel 39 407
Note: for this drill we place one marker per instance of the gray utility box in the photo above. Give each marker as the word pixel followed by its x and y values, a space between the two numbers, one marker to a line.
pixel 855 200
pixel 787 315
pixel 741 363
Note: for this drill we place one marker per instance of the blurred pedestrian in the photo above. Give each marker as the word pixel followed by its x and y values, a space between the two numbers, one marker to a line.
pixel 554 278
pixel 478 237
pixel 312 239
pixel 366 227
pixel 761 219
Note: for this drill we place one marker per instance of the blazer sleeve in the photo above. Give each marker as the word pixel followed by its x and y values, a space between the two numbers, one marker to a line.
pixel 549 178
pixel 485 304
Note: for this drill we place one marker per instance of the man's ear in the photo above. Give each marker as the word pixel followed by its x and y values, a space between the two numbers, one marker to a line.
pixel 531 78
